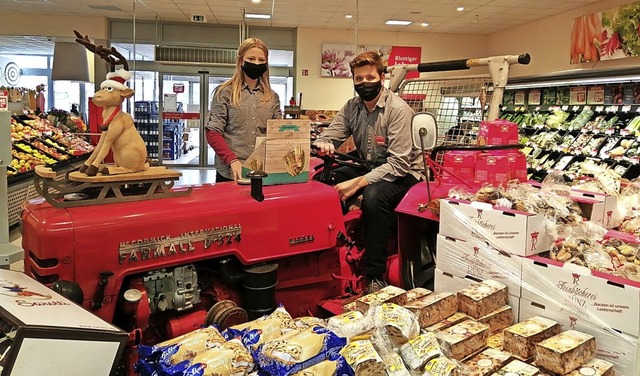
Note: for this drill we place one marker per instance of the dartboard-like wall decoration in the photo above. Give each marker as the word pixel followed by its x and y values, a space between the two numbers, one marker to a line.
pixel 12 74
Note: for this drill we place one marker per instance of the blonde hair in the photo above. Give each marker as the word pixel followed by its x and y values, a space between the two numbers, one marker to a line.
pixel 237 80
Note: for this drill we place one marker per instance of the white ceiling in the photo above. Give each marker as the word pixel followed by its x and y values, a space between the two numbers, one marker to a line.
pixel 479 16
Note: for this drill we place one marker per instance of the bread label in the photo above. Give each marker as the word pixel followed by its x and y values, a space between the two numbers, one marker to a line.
pixel 440 367
pixel 359 351
pixel 425 344
pixel 348 317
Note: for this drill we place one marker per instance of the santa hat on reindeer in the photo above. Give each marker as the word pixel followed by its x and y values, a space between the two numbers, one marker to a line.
pixel 117 79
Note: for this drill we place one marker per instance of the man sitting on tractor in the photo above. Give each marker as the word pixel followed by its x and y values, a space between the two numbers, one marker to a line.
pixel 380 122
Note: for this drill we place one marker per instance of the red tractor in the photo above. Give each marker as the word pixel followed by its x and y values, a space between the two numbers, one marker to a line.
pixel 219 253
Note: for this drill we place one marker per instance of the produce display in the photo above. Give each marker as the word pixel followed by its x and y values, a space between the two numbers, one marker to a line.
pixel 36 141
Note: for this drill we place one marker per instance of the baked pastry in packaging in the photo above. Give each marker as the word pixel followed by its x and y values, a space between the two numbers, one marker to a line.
pixel 306 322
pixel 347 324
pixel 565 352
pixel 594 367
pixel 394 365
pixel 349 307
pixel 388 294
pixel 264 329
pixel 482 298
pixel 499 319
pixel 181 348
pixel 520 338
pixel 229 359
pixel 417 293
pixel 419 350
pixel 336 366
pixel 517 368
pixel 399 324
pixel 433 308
pixel 441 366
pixel 485 363
pixel 496 341
pixel 363 358
pixel 292 353
pixel 463 339
pixel 449 321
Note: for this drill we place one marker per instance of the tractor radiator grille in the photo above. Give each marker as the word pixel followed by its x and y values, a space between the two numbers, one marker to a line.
pixel 204 56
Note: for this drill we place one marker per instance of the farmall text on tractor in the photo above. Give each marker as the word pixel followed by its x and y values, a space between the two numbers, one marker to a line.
pixel 173 259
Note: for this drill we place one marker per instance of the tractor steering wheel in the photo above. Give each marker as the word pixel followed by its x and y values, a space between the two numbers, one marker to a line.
pixel 324 172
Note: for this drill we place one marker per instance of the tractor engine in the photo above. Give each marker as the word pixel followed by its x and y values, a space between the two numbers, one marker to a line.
pixel 159 268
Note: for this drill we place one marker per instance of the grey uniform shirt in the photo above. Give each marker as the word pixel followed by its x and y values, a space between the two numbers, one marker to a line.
pixel 382 136
pixel 241 125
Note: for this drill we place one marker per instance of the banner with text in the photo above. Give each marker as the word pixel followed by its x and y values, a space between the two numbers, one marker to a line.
pixel 405 55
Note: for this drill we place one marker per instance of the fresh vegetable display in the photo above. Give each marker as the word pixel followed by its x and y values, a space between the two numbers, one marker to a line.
pixel 620 35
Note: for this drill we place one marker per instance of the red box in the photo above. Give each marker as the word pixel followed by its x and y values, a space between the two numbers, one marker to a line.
pixel 460 164
pixel 498 132
pixel 492 169
pixel 517 163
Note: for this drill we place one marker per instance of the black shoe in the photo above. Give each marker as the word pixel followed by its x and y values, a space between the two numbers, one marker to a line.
pixel 376 284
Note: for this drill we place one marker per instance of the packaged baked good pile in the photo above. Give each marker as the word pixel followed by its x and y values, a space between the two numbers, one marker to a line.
pixel 476 337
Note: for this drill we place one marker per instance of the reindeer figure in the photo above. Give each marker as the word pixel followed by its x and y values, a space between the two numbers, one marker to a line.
pixel 118 131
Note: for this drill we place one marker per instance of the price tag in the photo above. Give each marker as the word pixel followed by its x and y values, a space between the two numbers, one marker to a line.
pixel 565 108
pixel 609 131
pixel 626 108
pixel 599 108
pixel 538 108
pixel 614 108
pixel 587 107
pixel 575 108
pixel 624 132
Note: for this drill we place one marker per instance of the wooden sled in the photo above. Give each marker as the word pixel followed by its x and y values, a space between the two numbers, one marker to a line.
pixel 78 189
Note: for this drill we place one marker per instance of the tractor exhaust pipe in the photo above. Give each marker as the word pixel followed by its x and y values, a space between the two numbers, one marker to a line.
pixel 260 289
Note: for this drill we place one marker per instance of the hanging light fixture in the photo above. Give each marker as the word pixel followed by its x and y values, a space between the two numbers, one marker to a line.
pixel 70 62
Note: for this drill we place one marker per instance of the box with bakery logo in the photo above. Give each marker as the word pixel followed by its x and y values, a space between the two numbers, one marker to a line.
pixel 507 230
pixel 611 346
pixel 42 331
pixel 598 297
pixel 459 166
pixel 497 132
pixel 597 207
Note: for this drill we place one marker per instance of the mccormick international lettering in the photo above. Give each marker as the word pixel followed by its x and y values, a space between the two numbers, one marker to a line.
pixel 162 246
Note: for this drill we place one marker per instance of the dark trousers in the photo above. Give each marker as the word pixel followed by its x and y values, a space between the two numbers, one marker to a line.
pixel 379 201
pixel 220 178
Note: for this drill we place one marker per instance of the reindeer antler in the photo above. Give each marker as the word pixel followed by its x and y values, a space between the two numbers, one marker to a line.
pixel 105 53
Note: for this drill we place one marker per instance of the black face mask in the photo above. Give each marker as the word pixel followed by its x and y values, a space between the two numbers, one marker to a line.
pixel 254 71
pixel 368 91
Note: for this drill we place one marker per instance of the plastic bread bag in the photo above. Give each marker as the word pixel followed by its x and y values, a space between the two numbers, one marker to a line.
pixel 230 359
pixel 293 353
pixel 335 366
pixel 349 324
pixel 182 348
pixel 441 366
pixel 418 351
pixel 399 323
pixel 307 322
pixel 582 246
pixel 364 359
pixel 266 328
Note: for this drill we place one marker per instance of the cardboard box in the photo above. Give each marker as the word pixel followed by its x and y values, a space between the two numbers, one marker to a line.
pixel 598 297
pixel 497 132
pixel 596 207
pixel 284 153
pixel 479 260
pixel 617 348
pixel 492 169
pixel 511 231
pixel 446 282
pixel 460 164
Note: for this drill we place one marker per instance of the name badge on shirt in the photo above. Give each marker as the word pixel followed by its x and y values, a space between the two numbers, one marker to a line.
pixel 381 141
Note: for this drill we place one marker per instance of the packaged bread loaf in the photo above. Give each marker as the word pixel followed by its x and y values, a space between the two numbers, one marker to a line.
pixel 306 322
pixel 181 348
pixel 417 293
pixel 520 338
pixel 388 294
pixel 517 368
pixel 399 323
pixel 229 359
pixel 485 363
pixel 419 350
pixel 347 324
pixel 441 366
pixel 482 298
pixel 565 352
pixel 499 319
pixel 433 308
pixel 334 366
pixel 594 367
pixel 394 365
pixel 463 339
pixel 449 321
pixel 291 354
pixel 363 358
pixel 264 329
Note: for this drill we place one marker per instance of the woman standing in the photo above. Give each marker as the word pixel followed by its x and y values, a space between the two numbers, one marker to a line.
pixel 240 109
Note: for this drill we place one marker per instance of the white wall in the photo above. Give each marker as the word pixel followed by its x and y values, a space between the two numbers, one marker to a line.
pixel 548 42
pixel 58 26
pixel 331 93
